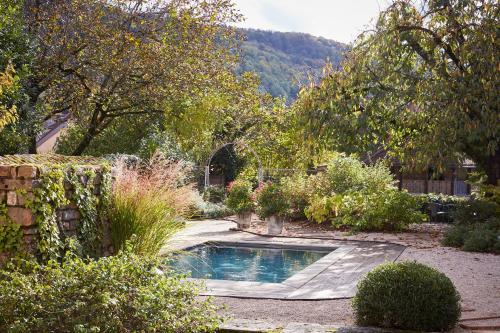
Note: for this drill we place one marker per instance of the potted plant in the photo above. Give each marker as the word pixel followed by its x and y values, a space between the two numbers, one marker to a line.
pixel 240 200
pixel 273 206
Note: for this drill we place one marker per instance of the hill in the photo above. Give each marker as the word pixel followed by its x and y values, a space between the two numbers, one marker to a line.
pixel 284 59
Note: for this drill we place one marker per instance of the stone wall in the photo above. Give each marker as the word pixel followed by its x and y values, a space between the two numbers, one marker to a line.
pixel 17 183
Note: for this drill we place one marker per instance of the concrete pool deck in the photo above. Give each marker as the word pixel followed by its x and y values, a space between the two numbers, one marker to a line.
pixel 334 276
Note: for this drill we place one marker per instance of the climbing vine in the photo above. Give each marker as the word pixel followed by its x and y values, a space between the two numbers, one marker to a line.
pixel 10 232
pixel 48 196
pixel 57 187
pixel 89 231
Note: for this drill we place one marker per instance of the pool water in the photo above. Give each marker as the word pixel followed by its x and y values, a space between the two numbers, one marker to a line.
pixel 241 263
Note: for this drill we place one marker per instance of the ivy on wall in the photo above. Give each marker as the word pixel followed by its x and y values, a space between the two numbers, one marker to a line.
pixel 91 206
pixel 10 232
pixel 50 195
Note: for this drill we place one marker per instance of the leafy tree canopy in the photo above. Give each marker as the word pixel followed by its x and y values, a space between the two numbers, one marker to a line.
pixel 16 54
pixel 423 85
pixel 8 114
pixel 105 60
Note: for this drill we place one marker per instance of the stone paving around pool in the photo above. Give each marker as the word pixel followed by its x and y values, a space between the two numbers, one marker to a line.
pixel 332 277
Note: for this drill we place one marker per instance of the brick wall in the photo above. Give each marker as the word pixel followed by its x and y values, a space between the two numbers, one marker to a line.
pixel 14 178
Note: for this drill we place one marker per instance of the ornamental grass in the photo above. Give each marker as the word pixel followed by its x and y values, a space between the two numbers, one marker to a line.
pixel 149 203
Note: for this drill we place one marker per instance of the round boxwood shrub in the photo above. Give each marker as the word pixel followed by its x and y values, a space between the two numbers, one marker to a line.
pixel 407 295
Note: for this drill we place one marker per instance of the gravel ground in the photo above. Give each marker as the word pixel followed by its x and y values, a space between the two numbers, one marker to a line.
pixel 475 275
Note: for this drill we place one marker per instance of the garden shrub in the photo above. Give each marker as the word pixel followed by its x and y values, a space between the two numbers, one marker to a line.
pixel 477 237
pixel 390 210
pixel 124 293
pixel 350 194
pixel 407 295
pixel 320 209
pixel 205 209
pixel 480 239
pixel 149 201
pixel 297 192
pixel 475 210
pixel 455 236
pixel 214 194
pixel 348 174
pixel 271 200
pixel 476 225
pixel 239 197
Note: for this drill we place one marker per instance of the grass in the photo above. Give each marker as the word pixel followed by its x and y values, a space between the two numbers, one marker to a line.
pixel 149 204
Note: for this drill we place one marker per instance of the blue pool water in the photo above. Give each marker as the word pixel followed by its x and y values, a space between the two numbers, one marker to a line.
pixel 239 263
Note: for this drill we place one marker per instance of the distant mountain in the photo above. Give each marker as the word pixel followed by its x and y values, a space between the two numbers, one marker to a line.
pixel 283 60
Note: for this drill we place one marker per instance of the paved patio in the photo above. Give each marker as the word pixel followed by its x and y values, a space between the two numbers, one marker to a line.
pixel 334 276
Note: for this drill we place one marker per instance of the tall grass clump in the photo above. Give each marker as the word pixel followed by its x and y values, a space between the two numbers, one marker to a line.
pixel 149 203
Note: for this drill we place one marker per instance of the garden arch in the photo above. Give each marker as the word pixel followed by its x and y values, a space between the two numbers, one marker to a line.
pixel 260 172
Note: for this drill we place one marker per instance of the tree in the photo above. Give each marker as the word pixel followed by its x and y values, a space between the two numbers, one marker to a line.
pixel 8 114
pixel 16 54
pixel 423 84
pixel 103 60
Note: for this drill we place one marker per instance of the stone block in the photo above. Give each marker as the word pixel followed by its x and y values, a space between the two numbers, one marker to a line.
pixel 23 198
pixel 11 198
pixel 3 196
pixel 7 171
pixel 70 215
pixel 22 216
pixel 70 225
pixel 27 171
pixel 14 184
pixel 31 230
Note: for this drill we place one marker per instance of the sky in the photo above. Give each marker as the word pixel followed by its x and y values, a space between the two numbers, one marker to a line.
pixel 340 20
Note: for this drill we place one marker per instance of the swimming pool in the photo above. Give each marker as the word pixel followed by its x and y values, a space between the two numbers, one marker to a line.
pixel 243 262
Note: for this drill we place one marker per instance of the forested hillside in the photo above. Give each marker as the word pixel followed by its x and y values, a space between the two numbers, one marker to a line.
pixel 283 60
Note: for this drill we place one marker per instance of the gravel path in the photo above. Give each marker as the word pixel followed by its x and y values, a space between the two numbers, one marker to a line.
pixel 475 275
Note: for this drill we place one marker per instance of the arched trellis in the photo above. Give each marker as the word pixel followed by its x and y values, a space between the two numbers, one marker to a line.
pixel 260 171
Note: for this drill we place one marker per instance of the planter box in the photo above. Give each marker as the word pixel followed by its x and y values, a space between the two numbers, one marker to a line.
pixel 275 225
pixel 244 220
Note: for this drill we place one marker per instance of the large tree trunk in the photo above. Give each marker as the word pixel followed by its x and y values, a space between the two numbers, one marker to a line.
pixel 32 147
pixel 87 138
pixel 492 168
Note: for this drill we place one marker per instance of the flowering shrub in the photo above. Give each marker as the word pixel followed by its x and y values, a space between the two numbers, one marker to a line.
pixel 239 197
pixel 271 200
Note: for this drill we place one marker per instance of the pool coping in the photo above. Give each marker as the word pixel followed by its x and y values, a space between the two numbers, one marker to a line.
pixel 333 276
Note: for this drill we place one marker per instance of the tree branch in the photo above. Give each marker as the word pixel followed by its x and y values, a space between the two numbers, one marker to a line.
pixel 437 39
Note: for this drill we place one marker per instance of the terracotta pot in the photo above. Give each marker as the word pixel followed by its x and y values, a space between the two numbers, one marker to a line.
pixel 275 225
pixel 244 220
